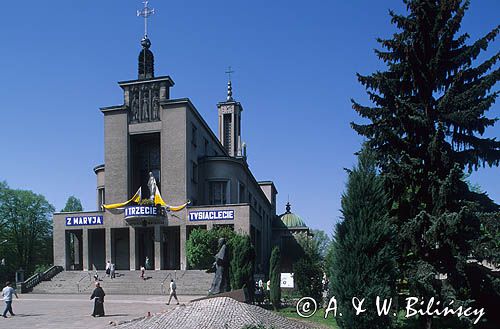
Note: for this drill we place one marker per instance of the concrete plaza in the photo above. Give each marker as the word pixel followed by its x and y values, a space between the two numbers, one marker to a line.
pixel 73 311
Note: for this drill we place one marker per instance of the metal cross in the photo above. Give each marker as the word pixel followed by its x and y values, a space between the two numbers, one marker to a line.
pixel 145 12
pixel 229 72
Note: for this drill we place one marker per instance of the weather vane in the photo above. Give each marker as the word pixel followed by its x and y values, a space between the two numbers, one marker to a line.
pixel 145 12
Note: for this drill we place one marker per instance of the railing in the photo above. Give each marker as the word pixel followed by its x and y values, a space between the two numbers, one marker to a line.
pixel 83 277
pixel 35 279
pixel 163 292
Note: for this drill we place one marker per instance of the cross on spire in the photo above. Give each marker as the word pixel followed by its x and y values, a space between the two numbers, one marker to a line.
pixel 145 12
pixel 229 72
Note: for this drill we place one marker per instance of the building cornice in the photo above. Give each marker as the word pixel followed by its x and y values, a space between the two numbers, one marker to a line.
pixel 167 78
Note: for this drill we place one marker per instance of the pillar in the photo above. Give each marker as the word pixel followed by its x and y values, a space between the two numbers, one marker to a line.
pixel 158 248
pixel 67 249
pixel 132 248
pixel 107 243
pixel 182 247
pixel 85 249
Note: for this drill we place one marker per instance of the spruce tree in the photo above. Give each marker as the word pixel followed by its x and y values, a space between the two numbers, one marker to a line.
pixel 363 259
pixel 426 128
pixel 275 277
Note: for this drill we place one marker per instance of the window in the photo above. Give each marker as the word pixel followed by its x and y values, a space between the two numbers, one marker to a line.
pixel 218 192
pixel 194 172
pixel 206 146
pixel 241 193
pixel 100 198
pixel 194 132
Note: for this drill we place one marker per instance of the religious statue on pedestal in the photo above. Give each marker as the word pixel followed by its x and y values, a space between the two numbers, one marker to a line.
pixel 152 186
pixel 221 264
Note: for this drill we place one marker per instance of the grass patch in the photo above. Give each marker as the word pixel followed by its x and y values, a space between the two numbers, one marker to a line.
pixel 318 317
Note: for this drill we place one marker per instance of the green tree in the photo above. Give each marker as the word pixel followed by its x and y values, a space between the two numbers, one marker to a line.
pixel 275 277
pixel 199 249
pixel 27 229
pixel 242 263
pixel 72 204
pixel 363 259
pixel 426 128
pixel 307 275
pixel 322 241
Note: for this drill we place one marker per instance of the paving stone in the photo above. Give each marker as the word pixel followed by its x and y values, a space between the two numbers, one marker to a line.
pixel 222 312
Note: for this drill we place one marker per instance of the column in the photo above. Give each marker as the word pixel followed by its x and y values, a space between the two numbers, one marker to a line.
pixel 67 249
pixel 183 247
pixel 85 249
pixel 158 248
pixel 132 248
pixel 107 242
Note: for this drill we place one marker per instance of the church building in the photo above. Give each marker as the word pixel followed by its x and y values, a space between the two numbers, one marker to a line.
pixel 153 134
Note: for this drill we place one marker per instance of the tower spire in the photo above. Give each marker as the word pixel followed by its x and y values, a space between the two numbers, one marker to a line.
pixel 229 85
pixel 146 58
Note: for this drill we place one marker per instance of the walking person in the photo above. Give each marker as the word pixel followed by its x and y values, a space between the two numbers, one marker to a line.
pixel 108 268
pixel 98 296
pixel 142 272
pixel 7 297
pixel 112 269
pixel 173 293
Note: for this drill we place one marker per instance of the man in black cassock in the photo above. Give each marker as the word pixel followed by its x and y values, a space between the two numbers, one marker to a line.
pixel 98 296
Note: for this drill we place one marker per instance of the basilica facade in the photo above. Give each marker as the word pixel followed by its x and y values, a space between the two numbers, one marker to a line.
pixel 152 136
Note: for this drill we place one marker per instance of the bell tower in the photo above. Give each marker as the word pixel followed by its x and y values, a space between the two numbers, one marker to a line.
pixel 230 122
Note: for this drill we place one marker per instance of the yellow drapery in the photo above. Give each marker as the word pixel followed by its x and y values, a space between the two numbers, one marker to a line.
pixel 136 198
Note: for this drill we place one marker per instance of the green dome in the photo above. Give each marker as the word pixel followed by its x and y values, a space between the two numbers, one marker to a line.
pixel 290 219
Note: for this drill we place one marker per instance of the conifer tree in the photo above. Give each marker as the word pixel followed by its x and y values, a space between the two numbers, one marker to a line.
pixel 363 260
pixel 275 277
pixel 426 128
pixel 242 263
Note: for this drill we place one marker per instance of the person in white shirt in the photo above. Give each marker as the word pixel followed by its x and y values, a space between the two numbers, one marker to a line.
pixel 173 293
pixel 7 293
pixel 108 268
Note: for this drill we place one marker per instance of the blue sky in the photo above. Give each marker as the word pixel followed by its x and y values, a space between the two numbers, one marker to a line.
pixel 295 64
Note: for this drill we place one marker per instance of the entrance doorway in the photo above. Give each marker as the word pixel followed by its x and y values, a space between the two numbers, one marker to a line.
pixel 97 249
pixel 120 248
pixel 144 247
pixel 74 250
pixel 172 251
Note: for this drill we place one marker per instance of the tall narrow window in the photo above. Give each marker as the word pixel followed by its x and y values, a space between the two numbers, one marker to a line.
pixel 218 192
pixel 241 193
pixel 227 132
pixel 194 172
pixel 206 147
pixel 194 132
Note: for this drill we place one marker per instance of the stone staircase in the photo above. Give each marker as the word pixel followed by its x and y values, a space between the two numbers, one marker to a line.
pixel 190 282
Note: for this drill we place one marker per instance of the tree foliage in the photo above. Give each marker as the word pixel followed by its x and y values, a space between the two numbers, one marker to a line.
pixel 308 269
pixel 307 275
pixel 363 260
pixel 27 228
pixel 275 277
pixel 426 128
pixel 202 245
pixel 73 204
pixel 242 263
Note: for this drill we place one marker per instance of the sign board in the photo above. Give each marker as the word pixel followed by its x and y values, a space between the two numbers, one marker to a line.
pixel 286 280
pixel 211 215
pixel 141 211
pixel 84 220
